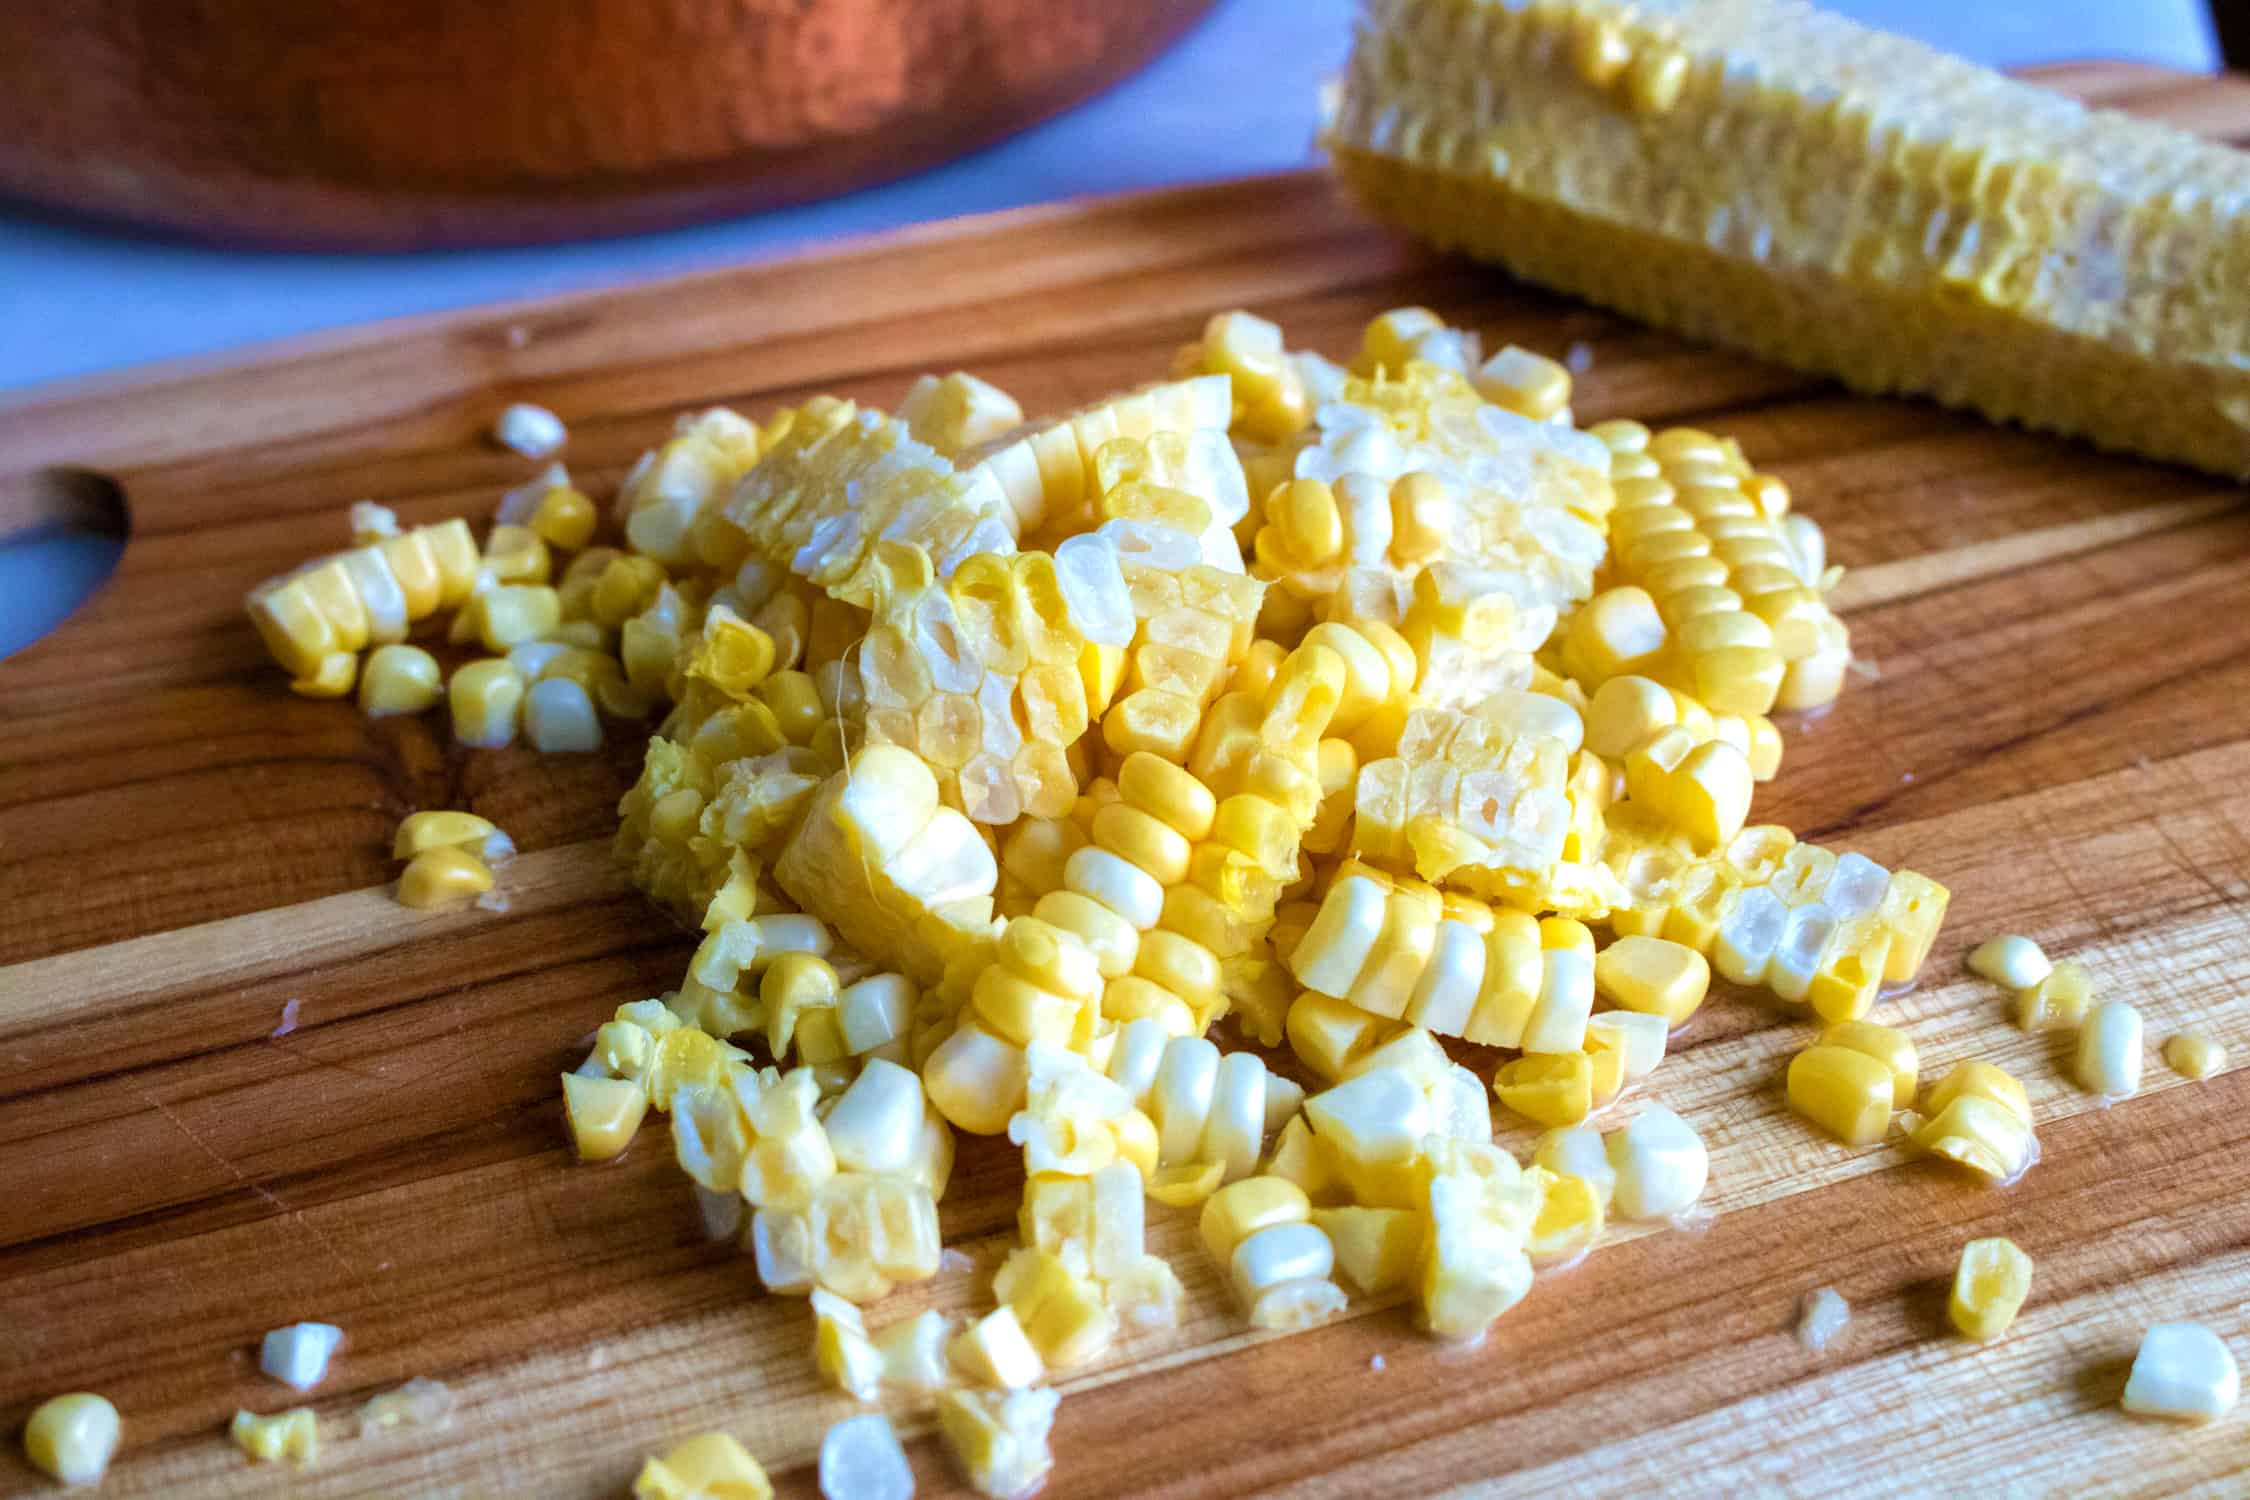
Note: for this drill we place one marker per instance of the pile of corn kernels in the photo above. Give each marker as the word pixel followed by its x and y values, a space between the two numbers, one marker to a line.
pixel 1164 786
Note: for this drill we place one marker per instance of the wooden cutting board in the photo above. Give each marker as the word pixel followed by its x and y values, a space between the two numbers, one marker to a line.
pixel 2054 725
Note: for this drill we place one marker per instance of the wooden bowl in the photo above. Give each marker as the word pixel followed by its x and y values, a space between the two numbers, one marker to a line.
pixel 405 124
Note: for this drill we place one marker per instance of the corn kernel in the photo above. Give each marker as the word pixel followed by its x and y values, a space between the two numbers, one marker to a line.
pixel 1844 1092
pixel 1552 1089
pixel 2011 961
pixel 1979 1080
pixel 999 1440
pixel 293 1434
pixel 1653 976
pixel 1893 1048
pixel 2182 1372
pixel 2193 1055
pixel 486 698
pixel 712 1466
pixel 1376 1249
pixel 72 1438
pixel 2110 1050
pixel 1989 1288
pixel 604 1113
pixel 442 877
pixel 564 518
pixel 2057 1001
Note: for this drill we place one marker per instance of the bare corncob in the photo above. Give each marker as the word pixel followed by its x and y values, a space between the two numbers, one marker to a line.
pixel 1765 175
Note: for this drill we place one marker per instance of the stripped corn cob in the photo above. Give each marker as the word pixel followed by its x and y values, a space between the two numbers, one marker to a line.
pixel 1769 176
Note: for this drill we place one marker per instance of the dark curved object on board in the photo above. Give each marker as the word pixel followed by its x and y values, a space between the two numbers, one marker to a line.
pixel 409 124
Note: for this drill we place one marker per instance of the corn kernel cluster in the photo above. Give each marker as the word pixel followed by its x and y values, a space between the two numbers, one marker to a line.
pixel 996 780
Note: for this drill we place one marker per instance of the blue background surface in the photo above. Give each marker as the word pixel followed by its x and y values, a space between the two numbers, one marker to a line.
pixel 1225 101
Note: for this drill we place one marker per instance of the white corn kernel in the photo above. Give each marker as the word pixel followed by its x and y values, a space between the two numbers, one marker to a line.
pixel 2182 1372
pixel 1376 1119
pixel 1181 1101
pixel 874 1126
pixel 860 1459
pixel 1661 1165
pixel 1636 1037
pixel 1280 1253
pixel 2109 1050
pixel 532 431
pixel 1235 1127
pixel 1577 1151
pixel 2011 961
pixel 298 1355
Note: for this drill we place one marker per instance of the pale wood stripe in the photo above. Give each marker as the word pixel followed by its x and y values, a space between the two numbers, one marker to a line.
pixel 1888 583
pixel 91 983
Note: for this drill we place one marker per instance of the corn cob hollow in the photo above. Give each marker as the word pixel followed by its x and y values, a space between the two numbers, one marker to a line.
pixel 1990 250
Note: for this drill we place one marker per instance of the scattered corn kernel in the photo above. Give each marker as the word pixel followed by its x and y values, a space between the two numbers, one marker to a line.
pixel 2058 1001
pixel 532 431
pixel 72 1438
pixel 2109 1050
pixel 2182 1372
pixel 442 877
pixel 1844 1092
pixel 2011 961
pixel 298 1355
pixel 293 1435
pixel 1989 1288
pixel 2193 1055
pixel 860 1459
pixel 713 1466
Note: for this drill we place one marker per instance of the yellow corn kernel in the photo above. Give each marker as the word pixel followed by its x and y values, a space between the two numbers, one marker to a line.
pixel 486 699
pixel 1701 790
pixel 999 1439
pixel 1530 385
pixel 510 614
pixel 293 1434
pixel 712 1466
pixel 1570 1220
pixel 1551 1089
pixel 2193 1055
pixel 331 679
pixel 1979 1080
pixel 564 518
pixel 1893 1048
pixel 604 1114
pixel 1974 1131
pixel 1062 1313
pixel 1241 1209
pixel 72 1438
pixel 1303 1158
pixel 2057 1002
pixel 2011 960
pixel 1327 1034
pixel 517 555
pixel 1653 976
pixel 1989 1288
pixel 441 877
pixel 399 680
pixel 795 702
pixel 1187 1184
pixel 1617 632
pixel 1846 1093
pixel 1377 1249
pixel 1912 910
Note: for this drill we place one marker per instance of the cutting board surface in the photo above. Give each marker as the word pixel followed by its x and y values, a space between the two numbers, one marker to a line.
pixel 2055 726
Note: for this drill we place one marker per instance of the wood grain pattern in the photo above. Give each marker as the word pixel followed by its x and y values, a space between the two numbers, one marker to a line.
pixel 2055 729
pixel 423 123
